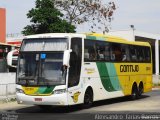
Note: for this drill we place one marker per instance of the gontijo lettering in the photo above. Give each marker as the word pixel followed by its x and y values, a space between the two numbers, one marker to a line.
pixel 129 68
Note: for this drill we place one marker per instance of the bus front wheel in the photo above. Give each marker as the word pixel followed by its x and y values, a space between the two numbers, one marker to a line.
pixel 88 98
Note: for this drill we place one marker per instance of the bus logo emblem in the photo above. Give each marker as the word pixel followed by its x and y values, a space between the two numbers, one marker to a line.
pixel 90 70
pixel 75 96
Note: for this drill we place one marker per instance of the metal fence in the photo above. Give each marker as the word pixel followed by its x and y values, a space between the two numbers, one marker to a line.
pixel 7 91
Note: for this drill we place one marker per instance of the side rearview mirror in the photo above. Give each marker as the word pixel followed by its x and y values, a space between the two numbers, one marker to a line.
pixel 66 57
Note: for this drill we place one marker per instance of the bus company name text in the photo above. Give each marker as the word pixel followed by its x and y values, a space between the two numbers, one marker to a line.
pixel 129 68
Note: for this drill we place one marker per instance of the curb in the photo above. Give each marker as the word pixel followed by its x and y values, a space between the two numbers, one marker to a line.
pixel 155 88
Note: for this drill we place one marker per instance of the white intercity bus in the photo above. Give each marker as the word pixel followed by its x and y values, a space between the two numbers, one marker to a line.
pixel 12 58
pixel 67 69
pixel 6 61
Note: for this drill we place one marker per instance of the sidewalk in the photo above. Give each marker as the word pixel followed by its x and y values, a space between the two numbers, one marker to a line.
pixel 6 99
pixel 156 88
pixel 11 105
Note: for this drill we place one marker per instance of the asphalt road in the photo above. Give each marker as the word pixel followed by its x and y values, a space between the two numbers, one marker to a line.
pixel 148 104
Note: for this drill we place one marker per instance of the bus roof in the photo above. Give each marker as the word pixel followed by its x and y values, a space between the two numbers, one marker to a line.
pixel 58 35
pixel 109 38
pixel 93 36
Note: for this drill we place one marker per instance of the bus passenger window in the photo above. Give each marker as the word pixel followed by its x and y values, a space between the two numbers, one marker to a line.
pixel 125 52
pixel 116 52
pixel 107 52
pixel 147 54
pixel 92 54
pixel 133 53
pixel 140 53
pixel 101 55
pixel 90 51
pixel 86 55
pixel 112 56
pixel 124 56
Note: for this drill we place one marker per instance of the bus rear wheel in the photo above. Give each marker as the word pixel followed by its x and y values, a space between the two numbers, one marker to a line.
pixel 140 89
pixel 134 94
pixel 88 98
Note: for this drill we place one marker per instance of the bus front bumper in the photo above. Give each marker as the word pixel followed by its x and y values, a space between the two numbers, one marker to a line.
pixel 55 99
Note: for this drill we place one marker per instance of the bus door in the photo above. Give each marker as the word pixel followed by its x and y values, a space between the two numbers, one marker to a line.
pixel 74 89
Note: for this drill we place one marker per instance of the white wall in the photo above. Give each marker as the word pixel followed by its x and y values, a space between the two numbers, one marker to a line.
pixel 6 78
pixel 7 85
pixel 126 34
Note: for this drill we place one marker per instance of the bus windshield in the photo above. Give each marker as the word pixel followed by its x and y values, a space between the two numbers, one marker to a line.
pixel 41 69
pixel 42 65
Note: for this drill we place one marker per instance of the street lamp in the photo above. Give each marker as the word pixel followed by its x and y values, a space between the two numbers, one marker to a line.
pixel 132 26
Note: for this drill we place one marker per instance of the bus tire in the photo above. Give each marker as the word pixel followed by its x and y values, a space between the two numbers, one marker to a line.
pixel 140 89
pixel 88 98
pixel 134 94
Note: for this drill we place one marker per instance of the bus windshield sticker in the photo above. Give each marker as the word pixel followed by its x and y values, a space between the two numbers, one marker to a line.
pixel 43 56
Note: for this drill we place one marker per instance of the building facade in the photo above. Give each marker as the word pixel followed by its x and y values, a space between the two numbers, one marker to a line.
pixel 2 25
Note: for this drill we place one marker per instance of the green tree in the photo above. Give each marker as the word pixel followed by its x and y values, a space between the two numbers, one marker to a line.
pixel 45 18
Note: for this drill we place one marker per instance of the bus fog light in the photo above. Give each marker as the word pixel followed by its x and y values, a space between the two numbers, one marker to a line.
pixel 19 102
pixel 60 91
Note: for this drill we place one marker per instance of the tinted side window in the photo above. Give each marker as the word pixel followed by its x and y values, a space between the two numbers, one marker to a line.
pixel 147 54
pixel 102 51
pixel 89 50
pixel 140 53
pixel 116 52
pixel 107 52
pixel 125 52
pixel 133 53
pixel 96 51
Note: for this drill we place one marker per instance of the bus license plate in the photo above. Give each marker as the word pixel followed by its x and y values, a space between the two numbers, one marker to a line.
pixel 38 99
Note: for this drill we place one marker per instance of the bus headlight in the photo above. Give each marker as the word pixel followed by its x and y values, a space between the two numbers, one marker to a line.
pixel 60 91
pixel 19 90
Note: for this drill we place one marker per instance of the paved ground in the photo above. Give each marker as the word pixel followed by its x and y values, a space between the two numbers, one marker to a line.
pixel 149 103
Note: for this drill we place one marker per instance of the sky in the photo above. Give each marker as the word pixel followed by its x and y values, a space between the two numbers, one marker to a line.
pixel 143 14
